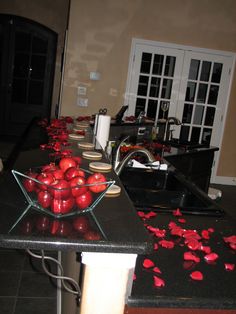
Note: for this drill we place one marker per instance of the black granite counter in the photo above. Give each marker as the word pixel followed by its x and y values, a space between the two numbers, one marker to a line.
pixel 217 290
pixel 113 224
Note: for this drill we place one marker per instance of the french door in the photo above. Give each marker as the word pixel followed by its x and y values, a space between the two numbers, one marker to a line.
pixel 195 83
pixel 27 61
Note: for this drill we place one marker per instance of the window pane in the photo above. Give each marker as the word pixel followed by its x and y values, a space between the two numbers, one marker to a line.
pixel 193 70
pixel 190 91
pixel 184 132
pixel 21 65
pixel 19 88
pixel 210 115
pixel 217 71
pixel 202 90
pixel 36 93
pixel 140 106
pixel 166 88
pixel 195 136
pixel 38 65
pixel 146 62
pixel 143 85
pixel 39 45
pixel 205 73
pixel 213 95
pixel 206 136
pixel 170 66
pixel 187 114
pixel 155 87
pixel 22 41
pixel 198 114
pixel 157 64
pixel 152 108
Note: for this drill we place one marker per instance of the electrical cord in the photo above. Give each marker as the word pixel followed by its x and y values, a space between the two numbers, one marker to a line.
pixel 61 277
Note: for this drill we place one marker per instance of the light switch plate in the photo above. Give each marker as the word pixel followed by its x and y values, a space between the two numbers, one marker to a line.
pixel 82 102
pixel 82 90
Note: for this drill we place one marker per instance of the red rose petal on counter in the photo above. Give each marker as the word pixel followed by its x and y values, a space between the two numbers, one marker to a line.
pixel 158 282
pixel 141 214
pixel 182 220
pixel 205 234
pixel 177 212
pixel 160 233
pixel 189 256
pixel 191 234
pixel 172 225
pixel 157 270
pixel 150 215
pixel 230 239
pixel 233 246
pixel 177 231
pixel 147 263
pixel 196 275
pixel 211 257
pixel 155 246
pixel 188 264
pixel 205 249
pixel 134 277
pixel 211 230
pixel 229 267
pixel 166 244
pixel 192 244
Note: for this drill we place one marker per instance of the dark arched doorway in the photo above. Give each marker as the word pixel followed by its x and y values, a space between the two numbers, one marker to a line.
pixel 27 63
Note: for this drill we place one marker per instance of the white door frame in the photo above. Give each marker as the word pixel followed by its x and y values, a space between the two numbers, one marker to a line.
pixel 230 55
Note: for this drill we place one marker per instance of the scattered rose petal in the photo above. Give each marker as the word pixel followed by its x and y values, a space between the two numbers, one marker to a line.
pixel 188 264
pixel 211 257
pixel 177 231
pixel 141 214
pixel 191 234
pixel 190 256
pixel 230 239
pixel 157 270
pixel 205 234
pixel 196 275
pixel 205 249
pixel 160 233
pixel 134 277
pixel 147 263
pixel 177 212
pixel 229 267
pixel 211 230
pixel 150 215
pixel 158 282
pixel 182 220
pixel 166 244
pixel 155 246
pixel 172 225
pixel 233 246
pixel 192 244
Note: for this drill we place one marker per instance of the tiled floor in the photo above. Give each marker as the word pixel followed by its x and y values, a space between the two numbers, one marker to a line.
pixel 24 288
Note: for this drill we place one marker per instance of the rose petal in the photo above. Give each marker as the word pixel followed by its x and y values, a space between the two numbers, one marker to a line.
pixel 177 212
pixel 166 244
pixel 147 263
pixel 155 246
pixel 158 282
pixel 192 244
pixel 157 270
pixel 229 267
pixel 177 231
pixel 205 234
pixel 191 234
pixel 141 214
pixel 196 275
pixel 150 215
pixel 211 257
pixel 233 246
pixel 134 277
pixel 205 249
pixel 182 220
pixel 230 239
pixel 189 256
pixel 160 233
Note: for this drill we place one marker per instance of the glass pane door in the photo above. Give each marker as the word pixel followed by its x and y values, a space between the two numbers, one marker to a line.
pixel 202 97
pixel 155 81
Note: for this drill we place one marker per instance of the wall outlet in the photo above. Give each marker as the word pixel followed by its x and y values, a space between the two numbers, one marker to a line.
pixel 82 90
pixel 82 102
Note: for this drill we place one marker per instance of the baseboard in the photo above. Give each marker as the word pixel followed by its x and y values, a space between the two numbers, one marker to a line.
pixel 224 180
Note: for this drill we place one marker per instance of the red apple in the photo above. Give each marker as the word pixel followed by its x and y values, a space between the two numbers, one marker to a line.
pixel 42 223
pixel 46 178
pixel 92 235
pixel 60 228
pixel 66 163
pixel 44 198
pixel 81 224
pixel 58 174
pixel 60 206
pixel 77 159
pixel 60 189
pixel 84 200
pixel 78 186
pixel 28 183
pixel 50 167
pixel 71 173
pixel 96 179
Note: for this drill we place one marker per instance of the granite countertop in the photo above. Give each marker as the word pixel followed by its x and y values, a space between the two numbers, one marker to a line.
pixel 217 289
pixel 113 220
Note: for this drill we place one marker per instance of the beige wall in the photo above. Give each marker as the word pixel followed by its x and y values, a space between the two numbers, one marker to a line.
pixel 100 34
pixel 52 14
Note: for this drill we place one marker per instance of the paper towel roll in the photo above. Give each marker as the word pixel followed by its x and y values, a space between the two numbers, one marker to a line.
pixel 103 130
pixel 95 128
